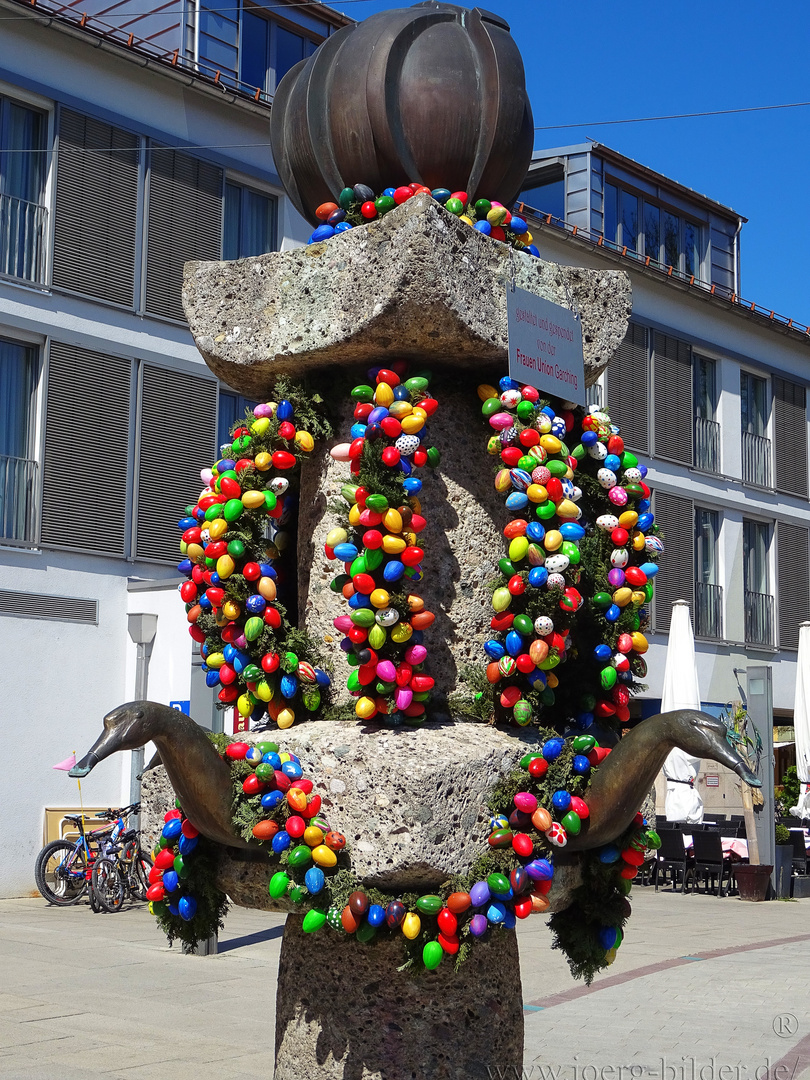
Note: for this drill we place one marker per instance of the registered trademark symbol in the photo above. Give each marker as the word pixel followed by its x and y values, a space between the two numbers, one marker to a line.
pixel 785 1025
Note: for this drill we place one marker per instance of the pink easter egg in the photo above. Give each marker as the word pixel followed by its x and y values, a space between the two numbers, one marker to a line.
pixel 500 421
pixel 343 623
pixel 618 496
pixel 341 451
pixel 541 475
pixel 403 697
pixel 526 802
pixel 264 409
pixel 415 654
pixel 386 671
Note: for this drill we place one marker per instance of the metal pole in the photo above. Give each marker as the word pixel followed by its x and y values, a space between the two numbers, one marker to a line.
pixel 759 702
pixel 142 630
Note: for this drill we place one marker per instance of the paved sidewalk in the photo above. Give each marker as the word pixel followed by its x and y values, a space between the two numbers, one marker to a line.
pixel 702 989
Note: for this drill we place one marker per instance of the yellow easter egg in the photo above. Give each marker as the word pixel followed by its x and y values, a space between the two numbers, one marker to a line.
pixel 639 540
pixel 415 603
pixel 465 219
pixel 377 636
pixel 231 610
pixel 195 552
pixel 501 599
pixel 380 598
pixel 183 547
pixel 411 925
pixel 553 539
pixel 221 618
pixel 284 756
pixel 285 718
pixel 518 548
pixel 304 441
pixel 324 856
pixel 384 396
pixel 263 461
pixel 400 408
pixel 628 519
pixel 640 643
pixel 485 392
pixel 494 446
pixel 497 215
pixel 259 427
pixel 543 423
pixel 392 520
pixel 282 540
pixel 412 423
pixel 409 538
pixel 365 707
pixel 536 493
pixel 244 705
pixel 335 537
pixel 503 481
pixel 417 411
pixel 218 527
pixel 313 836
pixel 552 682
pixel 392 545
pixel 551 444
pixel 568 510
pixel 267 588
pixel 264 691
pixel 354 515
pixel 215 660
pixel 527 238
pixel 401 632
pixel 252 500
pixel 415 504
pixel 622 597
pixel 225 566
pixel 638 597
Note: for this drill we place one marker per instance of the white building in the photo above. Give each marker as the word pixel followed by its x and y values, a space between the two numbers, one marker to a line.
pixel 128 145
pixel 711 391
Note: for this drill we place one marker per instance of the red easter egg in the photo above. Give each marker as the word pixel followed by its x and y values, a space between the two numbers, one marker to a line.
pixel 335 841
pixel 385 375
pixel 529 437
pixel 635 576
pixel 580 807
pixel 420 457
pixel 228 693
pixel 283 460
pixel 237 750
pixel 449 943
pixel 164 860
pixel 252 785
pixel 401 195
pixel 554 489
pixel 252 571
pixel 448 923
pixel 516 585
pixel 501 621
pixel 428 405
pixel 368 210
pixel 272 617
pixel 356 448
pixel 188 592
pixel 325 210
pixel 391 427
pixel 363 410
pixel 525 664
pixel 412 556
pixel 312 807
pixel 511 455
pixel 286 430
pixel 189 830
pixel 390 456
pixel 372 539
pixel 270 662
pixel 510 696
pixel 523 908
pixel 538 767
pixel 295 826
pixel 619 537
pixel 522 845
pixel 156 891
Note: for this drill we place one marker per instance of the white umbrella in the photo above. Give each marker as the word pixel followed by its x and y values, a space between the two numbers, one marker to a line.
pixel 681 691
pixel 801 722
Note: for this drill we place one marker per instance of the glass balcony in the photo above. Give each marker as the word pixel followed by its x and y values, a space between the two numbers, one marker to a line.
pixel 23 233
pixel 18 487
pixel 708 610
pixel 758 619
pixel 756 460
pixel 707 444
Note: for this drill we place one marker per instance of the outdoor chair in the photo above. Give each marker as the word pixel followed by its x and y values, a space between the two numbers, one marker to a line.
pixel 799 852
pixel 672 856
pixel 709 862
pixel 732 829
pixel 738 818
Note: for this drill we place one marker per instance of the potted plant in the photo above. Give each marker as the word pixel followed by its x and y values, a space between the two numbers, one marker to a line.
pixel 753 877
pixel 783 862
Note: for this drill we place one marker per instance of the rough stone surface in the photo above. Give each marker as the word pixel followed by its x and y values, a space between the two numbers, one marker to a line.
pixel 463 541
pixel 394 1025
pixel 417 283
pixel 157 796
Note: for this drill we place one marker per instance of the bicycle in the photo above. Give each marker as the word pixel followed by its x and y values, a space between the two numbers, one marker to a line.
pixel 123 869
pixel 63 868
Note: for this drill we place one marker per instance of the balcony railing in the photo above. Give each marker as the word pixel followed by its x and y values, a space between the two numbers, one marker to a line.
pixel 707 444
pixel 18 489
pixel 708 610
pixel 756 459
pixel 23 231
pixel 758 619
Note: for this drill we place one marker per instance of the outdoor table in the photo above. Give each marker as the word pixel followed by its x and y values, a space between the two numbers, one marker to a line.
pixel 734 848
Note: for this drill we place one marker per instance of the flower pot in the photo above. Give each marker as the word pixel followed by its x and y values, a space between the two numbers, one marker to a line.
pixel 753 881
pixel 783 863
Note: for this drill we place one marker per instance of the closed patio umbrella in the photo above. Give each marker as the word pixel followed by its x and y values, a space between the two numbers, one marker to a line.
pixel 801 723
pixel 681 691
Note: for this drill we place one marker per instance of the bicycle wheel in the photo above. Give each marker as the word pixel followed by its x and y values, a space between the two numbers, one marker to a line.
pixel 108 885
pixel 139 879
pixel 61 873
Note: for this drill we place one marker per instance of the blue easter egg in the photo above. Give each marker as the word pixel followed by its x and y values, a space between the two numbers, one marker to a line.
pixel 645 521
pixel 518 225
pixel 174 909
pixel 612 613
pixel 185 566
pixel 314 879
pixel 212 678
pixel 589 438
pixel 389 191
pixel 650 569
pixel 547 409
pixel 187 908
pixel 569 530
pixel 441 195
pixel 170 881
pixel 359 601
pixel 284 410
pixel 401 393
pixel 561 800
pixel 292 769
pixel 581 764
pixel 483 227
pixel 268 571
pixel 540 870
pixel 288 686
pixel 393 570
pixel 186 523
pixel 520 479
pixel 377 414
pixel 584 720
pixel 272 759
pixel 612 462
pixel 496 913
pixel 272 799
pixel 171 830
pixel 537 678
pixel 358 431
pixel 643 470
pixel 346 552
pixel 405 466
pixel 322 678
pixel 323 232
pixel 507 383
pixel 375 915
pixel 538 576
pixel 343 226
pixel 607 937
pixel 187 844
pixel 552 749
pixel 535 531
pixel 609 854
pixel 253 756
pixel 494 649
pixel 280 842
pixel 205 603
pixel 412 485
pixel 603 652
pixel 514 643
pixel 509 918
pixel 533 249
pixel 256 604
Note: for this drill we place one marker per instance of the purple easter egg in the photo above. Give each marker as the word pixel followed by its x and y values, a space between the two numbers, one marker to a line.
pixel 478 925
pixel 479 894
pixel 540 870
pixel 616 577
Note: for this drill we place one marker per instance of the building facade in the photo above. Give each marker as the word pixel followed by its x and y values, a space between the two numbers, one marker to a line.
pixel 711 391
pixel 129 144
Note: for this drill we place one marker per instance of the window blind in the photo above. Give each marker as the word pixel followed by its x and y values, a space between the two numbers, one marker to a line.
pixel 673 415
pixel 628 388
pixel 675 579
pixel 790 436
pixel 793 582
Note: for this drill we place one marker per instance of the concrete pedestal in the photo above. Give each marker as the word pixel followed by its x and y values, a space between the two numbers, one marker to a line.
pixel 344 1012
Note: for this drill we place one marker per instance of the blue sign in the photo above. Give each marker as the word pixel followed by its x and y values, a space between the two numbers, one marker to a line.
pixel 181 706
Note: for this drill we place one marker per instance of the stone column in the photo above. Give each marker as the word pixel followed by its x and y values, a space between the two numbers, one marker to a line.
pixel 420 285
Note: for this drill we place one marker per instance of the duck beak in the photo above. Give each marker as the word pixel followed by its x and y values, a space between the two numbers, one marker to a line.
pixel 110 741
pixel 742 770
pixel 83 767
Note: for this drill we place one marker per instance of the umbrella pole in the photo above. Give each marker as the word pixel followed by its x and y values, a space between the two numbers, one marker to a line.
pixel 750 824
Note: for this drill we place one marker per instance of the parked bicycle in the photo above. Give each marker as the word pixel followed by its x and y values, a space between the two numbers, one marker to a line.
pixel 121 872
pixel 63 869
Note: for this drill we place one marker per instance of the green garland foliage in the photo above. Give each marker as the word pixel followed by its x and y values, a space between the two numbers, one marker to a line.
pixel 212 903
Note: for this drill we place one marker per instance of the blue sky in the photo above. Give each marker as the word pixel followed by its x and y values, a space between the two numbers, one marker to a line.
pixel 592 61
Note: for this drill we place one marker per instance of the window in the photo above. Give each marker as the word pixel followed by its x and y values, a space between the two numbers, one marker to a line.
pixel 547 197
pixel 18 467
pixel 758 601
pixel 676 578
pixel 250 222
pixel 269 50
pixel 643 226
pixel 793 581
pixel 790 436
pixel 756 446
pixel 707 430
pixel 22 184
pixel 231 409
pixel 708 593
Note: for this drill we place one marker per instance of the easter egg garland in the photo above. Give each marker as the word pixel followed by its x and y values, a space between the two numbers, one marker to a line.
pixel 232 537
pixel 380 548
pixel 575 577
pixel 359 205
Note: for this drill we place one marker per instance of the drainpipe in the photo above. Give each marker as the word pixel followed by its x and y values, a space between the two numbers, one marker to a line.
pixel 142 629
pixel 737 286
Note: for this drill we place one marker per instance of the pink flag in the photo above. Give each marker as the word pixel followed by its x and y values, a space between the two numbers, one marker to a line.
pixel 67 764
